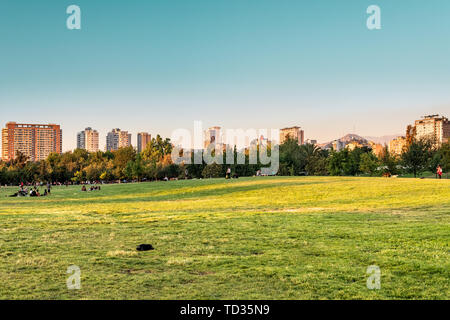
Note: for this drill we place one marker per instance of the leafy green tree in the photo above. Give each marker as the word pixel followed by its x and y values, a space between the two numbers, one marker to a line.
pixel 336 162
pixel 157 149
pixel 316 162
pixel 121 159
pixel 417 156
pixel 445 157
pixel 135 169
pixel 369 163
pixel 20 160
pixel 79 177
pixel 212 171
pixel 389 162
pixel 292 158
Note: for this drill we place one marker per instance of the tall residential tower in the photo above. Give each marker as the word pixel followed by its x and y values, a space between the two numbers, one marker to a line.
pixel 434 127
pixel 143 139
pixel 36 141
pixel 117 139
pixel 295 133
pixel 88 140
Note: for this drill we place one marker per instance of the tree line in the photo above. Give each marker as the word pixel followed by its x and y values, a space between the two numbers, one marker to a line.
pixel 155 163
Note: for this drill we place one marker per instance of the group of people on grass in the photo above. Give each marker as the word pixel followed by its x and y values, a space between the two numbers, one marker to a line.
pixel 92 188
pixel 32 191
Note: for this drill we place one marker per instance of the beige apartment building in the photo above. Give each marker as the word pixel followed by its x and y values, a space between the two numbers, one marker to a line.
pixel 117 139
pixel 377 148
pixel 88 140
pixel 434 127
pixel 397 145
pixel 295 133
pixel 143 139
pixel 213 135
pixel 36 141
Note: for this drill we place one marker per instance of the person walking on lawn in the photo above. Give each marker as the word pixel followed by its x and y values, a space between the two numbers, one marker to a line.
pixel 439 171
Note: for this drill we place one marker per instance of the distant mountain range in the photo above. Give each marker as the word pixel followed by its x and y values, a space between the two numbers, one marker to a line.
pixel 351 137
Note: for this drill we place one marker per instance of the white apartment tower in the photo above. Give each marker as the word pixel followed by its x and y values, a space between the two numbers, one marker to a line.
pixel 434 127
pixel 88 140
pixel 117 139
pixel 213 135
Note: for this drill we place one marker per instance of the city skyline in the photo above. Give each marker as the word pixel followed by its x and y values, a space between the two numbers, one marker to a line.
pixel 231 64
pixel 70 143
pixel 433 126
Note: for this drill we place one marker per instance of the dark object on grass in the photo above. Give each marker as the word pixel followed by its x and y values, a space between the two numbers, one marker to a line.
pixel 145 247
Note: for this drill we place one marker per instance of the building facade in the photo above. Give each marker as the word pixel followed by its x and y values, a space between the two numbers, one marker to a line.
pixel 397 145
pixel 213 135
pixel 295 133
pixel 117 139
pixel 338 145
pixel 81 140
pixel 377 148
pixel 311 141
pixel 88 140
pixel 36 141
pixel 434 127
pixel 143 139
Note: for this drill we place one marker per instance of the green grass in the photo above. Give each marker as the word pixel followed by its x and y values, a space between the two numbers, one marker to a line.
pixel 426 174
pixel 251 238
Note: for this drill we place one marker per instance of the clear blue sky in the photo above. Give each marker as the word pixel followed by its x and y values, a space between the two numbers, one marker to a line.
pixel 158 65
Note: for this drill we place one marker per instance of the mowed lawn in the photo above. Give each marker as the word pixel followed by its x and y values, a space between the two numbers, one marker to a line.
pixel 251 238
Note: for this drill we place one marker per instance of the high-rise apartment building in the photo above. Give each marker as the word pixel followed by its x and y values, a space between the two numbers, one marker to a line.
pixel 143 139
pixel 88 140
pixel 377 148
pixel 397 145
pixel 81 140
pixel 36 141
pixel 434 127
pixel 212 135
pixel 295 133
pixel 117 139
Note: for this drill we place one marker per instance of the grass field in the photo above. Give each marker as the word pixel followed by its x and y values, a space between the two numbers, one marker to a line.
pixel 251 238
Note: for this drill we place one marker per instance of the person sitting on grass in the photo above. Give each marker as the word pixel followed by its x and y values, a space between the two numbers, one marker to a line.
pixel 35 193
pixel 83 189
pixel 228 175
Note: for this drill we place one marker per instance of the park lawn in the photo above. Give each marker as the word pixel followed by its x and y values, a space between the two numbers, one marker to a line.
pixel 250 238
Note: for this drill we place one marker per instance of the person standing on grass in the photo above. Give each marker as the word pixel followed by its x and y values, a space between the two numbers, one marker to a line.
pixel 439 171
